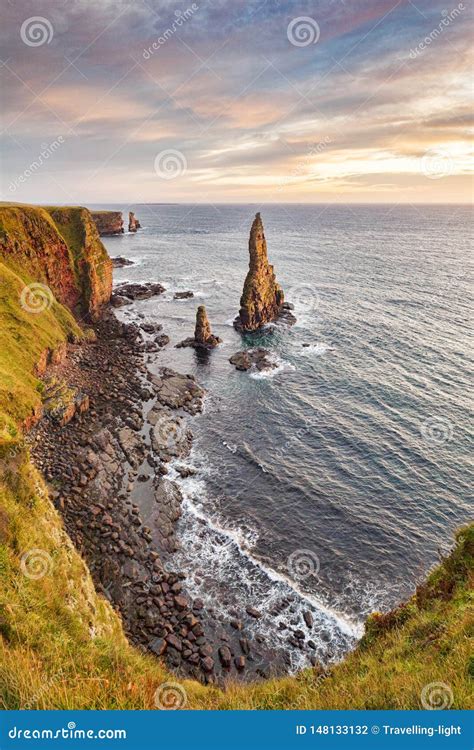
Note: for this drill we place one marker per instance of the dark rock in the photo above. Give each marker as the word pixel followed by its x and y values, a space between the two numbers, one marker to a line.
pixel 136 291
pixel 253 612
pixel 183 295
pixel 259 358
pixel 121 262
pixel 239 662
pixel 225 656
pixel 207 664
pixel 308 618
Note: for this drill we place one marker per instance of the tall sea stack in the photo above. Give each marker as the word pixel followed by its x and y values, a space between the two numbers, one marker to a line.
pixel 262 299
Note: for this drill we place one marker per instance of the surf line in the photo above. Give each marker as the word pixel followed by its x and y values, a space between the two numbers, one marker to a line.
pixel 345 624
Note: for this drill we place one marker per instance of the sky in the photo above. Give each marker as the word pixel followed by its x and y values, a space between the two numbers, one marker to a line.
pixel 340 101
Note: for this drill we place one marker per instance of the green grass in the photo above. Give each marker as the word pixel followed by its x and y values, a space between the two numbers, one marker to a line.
pixel 24 336
pixel 62 646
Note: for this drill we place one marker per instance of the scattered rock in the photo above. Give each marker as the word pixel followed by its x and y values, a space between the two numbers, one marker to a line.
pixel 253 612
pixel 135 291
pixel 183 295
pixel 120 262
pixel 259 358
pixel 118 300
pixel 308 618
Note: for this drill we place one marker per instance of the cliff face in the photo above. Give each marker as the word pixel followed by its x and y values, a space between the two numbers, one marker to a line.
pixel 60 248
pixel 52 262
pixel 262 298
pixel 108 222
pixel 92 266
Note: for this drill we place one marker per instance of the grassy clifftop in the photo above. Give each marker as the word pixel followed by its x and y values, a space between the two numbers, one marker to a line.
pixel 62 646
pixel 51 262
pixel 61 248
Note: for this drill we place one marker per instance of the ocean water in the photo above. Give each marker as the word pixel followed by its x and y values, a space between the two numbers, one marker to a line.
pixel 334 482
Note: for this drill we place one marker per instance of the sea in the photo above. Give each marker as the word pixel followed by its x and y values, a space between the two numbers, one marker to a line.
pixel 334 482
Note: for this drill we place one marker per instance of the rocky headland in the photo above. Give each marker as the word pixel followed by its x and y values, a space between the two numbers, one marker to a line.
pixel 263 300
pixel 108 223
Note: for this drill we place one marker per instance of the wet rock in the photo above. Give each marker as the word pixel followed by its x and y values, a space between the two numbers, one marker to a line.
pixel 117 300
pixel 308 618
pixel 121 262
pixel 253 612
pixel 258 358
pixel 135 291
pixel 183 295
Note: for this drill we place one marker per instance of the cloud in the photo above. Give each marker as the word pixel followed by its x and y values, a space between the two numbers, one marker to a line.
pixel 229 90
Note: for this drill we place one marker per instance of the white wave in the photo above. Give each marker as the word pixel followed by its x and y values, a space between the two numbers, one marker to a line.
pixel 281 366
pixel 245 540
pixel 317 349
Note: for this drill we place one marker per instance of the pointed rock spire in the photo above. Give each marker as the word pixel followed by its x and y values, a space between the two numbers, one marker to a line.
pixel 202 331
pixel 262 298
pixel 203 336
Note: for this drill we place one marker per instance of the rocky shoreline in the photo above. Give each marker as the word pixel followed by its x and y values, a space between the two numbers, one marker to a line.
pixel 106 469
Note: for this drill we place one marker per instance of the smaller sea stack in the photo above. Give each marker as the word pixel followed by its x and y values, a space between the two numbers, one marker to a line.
pixel 262 299
pixel 203 336
pixel 133 223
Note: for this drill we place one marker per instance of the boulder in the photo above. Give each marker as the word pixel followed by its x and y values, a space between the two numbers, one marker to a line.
pixel 183 295
pixel 258 358
pixel 120 262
